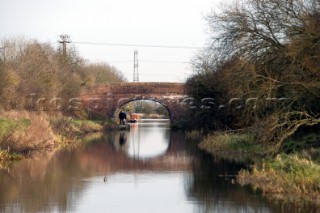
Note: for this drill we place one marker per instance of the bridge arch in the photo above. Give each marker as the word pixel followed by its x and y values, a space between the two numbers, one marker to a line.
pixel 115 114
pixel 112 96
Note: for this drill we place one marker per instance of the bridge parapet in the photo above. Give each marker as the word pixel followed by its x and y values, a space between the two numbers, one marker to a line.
pixel 137 88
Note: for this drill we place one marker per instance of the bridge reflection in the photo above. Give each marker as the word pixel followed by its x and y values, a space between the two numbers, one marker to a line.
pixel 138 149
pixel 144 140
pixel 59 181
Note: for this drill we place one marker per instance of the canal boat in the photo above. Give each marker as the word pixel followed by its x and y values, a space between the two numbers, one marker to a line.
pixel 134 118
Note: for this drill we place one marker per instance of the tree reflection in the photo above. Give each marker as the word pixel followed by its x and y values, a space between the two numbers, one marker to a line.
pixel 55 181
pixel 210 185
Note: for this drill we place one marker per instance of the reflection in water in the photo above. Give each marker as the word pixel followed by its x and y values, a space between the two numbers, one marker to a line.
pixel 122 138
pixel 143 141
pixel 171 176
pixel 210 184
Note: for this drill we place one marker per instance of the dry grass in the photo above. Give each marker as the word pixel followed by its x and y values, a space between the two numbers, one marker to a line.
pixel 23 132
pixel 286 177
pixel 6 158
pixel 87 126
pixel 69 130
pixel 26 132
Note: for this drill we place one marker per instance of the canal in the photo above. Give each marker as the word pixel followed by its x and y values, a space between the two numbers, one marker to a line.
pixel 147 169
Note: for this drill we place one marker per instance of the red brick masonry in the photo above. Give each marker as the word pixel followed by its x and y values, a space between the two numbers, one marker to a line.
pixel 106 99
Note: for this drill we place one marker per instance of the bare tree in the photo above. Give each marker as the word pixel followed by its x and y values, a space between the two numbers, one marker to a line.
pixel 31 67
pixel 266 50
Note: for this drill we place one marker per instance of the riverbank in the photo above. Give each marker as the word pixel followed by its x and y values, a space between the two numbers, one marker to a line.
pixel 234 146
pixel 22 133
pixel 290 177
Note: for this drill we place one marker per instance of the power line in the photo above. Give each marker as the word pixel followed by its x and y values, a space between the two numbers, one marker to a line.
pixel 145 74
pixel 137 45
pixel 147 61
pixel 166 62
pixel 152 74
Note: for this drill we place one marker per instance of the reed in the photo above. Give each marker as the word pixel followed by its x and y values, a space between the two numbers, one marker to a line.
pixel 288 177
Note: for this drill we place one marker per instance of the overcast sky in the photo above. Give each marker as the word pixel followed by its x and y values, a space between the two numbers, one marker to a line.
pixel 143 22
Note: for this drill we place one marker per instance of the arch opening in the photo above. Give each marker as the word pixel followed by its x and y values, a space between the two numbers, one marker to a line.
pixel 144 108
pixel 150 136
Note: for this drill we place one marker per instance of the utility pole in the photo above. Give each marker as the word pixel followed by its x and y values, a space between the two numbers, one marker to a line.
pixel 4 53
pixel 64 40
pixel 135 67
pixel 3 48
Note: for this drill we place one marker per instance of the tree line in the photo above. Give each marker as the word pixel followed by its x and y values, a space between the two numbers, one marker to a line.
pixel 261 70
pixel 30 67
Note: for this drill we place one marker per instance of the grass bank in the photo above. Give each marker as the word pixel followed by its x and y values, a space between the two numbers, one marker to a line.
pixel 293 177
pixel 24 132
pixel 69 130
pixel 234 146
pixel 194 135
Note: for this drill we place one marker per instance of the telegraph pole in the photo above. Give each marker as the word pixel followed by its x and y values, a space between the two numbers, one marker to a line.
pixel 3 48
pixel 64 40
pixel 135 67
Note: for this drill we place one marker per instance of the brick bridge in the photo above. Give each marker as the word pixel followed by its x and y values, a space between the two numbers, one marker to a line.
pixel 106 99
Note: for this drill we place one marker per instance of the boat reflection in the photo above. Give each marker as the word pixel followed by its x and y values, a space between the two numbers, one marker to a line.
pixel 184 179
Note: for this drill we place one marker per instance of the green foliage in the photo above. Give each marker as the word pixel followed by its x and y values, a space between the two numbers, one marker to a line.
pixel 26 122
pixel 235 146
pixel 232 142
pixel 295 166
pixel 7 126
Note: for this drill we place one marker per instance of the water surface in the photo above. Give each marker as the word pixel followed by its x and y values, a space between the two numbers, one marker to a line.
pixel 148 169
